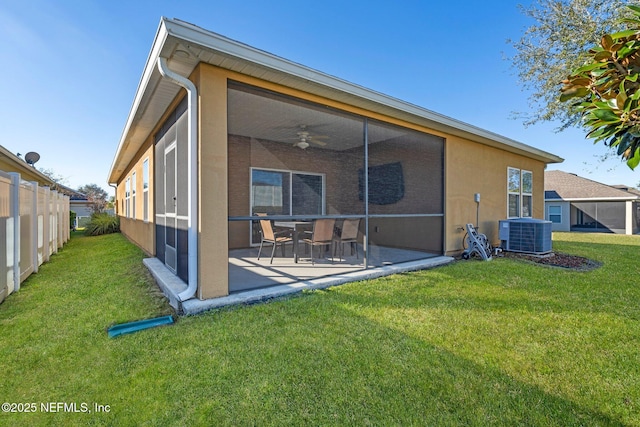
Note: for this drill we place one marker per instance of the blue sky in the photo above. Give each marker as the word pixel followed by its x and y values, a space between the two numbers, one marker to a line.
pixel 70 68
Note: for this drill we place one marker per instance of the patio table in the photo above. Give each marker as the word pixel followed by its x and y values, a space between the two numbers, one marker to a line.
pixel 297 227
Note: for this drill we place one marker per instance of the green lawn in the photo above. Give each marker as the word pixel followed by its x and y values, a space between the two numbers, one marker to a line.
pixel 474 343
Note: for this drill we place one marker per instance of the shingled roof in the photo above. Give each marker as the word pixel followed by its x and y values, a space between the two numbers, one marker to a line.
pixel 568 186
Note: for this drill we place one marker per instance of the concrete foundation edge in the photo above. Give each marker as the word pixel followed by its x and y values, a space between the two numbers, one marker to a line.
pixel 171 285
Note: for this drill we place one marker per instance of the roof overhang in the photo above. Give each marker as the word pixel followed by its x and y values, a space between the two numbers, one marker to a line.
pixel 595 199
pixel 185 46
pixel 22 166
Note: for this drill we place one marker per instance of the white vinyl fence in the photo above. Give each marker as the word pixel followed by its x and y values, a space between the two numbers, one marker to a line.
pixel 34 223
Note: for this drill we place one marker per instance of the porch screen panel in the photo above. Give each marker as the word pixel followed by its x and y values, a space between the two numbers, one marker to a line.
pixel 599 216
pixel 405 194
pixel 307 194
pixel 289 158
pixel 583 215
pixel 158 198
pixel 611 216
pixel 172 130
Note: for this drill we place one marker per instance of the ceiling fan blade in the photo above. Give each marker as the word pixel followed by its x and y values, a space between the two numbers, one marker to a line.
pixel 315 141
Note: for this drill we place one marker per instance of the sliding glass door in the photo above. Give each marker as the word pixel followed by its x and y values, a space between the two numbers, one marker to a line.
pixel 278 192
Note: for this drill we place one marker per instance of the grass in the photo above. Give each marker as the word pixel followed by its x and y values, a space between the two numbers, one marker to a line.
pixel 474 343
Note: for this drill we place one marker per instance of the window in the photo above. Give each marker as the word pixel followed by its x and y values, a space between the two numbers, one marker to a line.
pixel 513 189
pixel 276 192
pixel 133 195
pixel 286 193
pixel 527 194
pixel 519 193
pixel 555 214
pixel 145 190
pixel 127 197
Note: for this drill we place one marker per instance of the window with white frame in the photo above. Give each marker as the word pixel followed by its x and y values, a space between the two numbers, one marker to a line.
pixel 145 190
pixel 284 192
pixel 519 193
pixel 127 198
pixel 133 195
pixel 513 192
pixel 555 214
pixel 527 194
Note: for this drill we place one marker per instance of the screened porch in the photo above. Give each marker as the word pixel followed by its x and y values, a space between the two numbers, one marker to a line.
pixel 296 164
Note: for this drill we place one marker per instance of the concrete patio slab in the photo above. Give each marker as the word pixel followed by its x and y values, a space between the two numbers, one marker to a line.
pixel 171 285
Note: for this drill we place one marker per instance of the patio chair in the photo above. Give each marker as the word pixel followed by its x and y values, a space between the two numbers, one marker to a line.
pixel 321 235
pixel 347 234
pixel 275 238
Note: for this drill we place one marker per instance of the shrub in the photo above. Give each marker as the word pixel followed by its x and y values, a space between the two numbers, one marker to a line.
pixel 102 223
pixel 72 220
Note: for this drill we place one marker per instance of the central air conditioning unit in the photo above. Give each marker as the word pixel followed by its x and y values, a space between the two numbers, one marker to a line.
pixel 526 235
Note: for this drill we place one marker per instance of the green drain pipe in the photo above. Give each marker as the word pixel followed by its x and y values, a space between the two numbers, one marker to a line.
pixel 131 327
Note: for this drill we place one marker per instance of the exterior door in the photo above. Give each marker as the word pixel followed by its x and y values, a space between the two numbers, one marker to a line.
pixel 170 200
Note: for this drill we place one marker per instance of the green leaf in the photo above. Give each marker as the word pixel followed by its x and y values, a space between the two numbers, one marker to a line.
pixel 625 33
pixel 606 115
pixel 624 143
pixel 588 67
pixel 624 52
pixel 602 56
pixel 636 9
pixel 635 160
pixel 612 103
pixel 602 105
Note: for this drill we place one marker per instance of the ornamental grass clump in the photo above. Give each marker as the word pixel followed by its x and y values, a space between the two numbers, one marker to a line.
pixel 102 223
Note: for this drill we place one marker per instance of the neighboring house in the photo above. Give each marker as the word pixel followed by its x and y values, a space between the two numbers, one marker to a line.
pixel 220 131
pixel 10 162
pixel 574 203
pixel 79 204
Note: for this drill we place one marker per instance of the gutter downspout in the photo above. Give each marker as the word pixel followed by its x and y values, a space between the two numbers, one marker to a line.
pixel 115 197
pixel 192 178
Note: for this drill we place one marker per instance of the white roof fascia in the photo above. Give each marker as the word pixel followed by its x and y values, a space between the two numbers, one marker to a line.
pixel 248 53
pixel 594 199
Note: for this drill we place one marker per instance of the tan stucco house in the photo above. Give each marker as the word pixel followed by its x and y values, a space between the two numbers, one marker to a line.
pixel 220 132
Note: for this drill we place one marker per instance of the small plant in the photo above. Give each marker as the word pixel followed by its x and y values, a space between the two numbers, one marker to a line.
pixel 72 220
pixel 102 223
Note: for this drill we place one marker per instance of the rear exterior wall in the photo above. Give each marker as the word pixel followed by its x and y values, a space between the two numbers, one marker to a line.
pixel 134 226
pixel 472 168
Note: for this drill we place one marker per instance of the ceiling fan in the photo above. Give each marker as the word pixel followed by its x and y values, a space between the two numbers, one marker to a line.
pixel 304 138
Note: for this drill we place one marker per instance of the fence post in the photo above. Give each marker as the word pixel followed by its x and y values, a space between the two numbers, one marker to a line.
pixel 61 221
pixel 34 225
pixel 46 223
pixel 15 215
pixel 54 222
pixel 67 224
